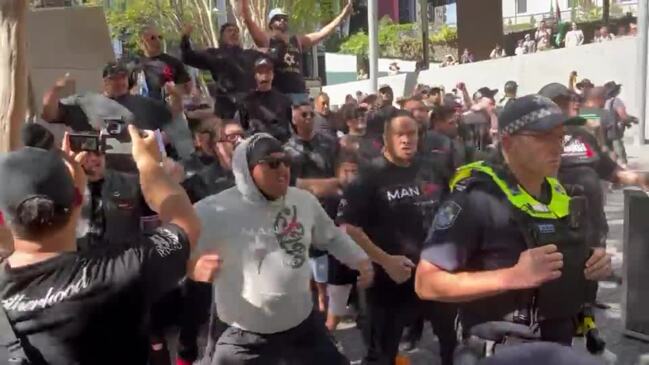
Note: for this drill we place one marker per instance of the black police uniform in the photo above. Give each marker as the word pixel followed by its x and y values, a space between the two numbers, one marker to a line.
pixel 394 206
pixel 583 166
pixel 489 220
pixel 479 229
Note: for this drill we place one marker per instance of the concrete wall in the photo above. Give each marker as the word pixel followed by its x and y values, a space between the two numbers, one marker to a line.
pixel 601 62
pixel 61 40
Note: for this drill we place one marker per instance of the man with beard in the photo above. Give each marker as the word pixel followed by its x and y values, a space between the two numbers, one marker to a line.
pixel 230 66
pixel 387 211
pixel 262 229
pixel 266 109
pixel 287 51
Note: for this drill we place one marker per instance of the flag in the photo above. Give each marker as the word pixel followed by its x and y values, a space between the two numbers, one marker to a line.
pixel 558 10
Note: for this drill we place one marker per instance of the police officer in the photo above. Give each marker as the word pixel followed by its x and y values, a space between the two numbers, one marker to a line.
pixel 508 243
pixel 583 165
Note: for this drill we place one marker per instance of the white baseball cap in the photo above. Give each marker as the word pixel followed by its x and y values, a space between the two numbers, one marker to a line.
pixel 276 12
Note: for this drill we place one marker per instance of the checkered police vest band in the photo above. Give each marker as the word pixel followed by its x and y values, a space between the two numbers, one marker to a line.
pixel 530 118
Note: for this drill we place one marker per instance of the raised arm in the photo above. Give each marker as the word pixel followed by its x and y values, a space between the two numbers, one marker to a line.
pixel 190 57
pixel 312 39
pixel 52 98
pixel 161 193
pixel 259 36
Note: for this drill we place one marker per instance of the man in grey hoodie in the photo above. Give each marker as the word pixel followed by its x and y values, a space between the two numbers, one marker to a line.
pixel 262 230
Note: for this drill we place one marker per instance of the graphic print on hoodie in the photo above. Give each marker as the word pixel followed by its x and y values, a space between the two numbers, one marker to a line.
pixel 264 246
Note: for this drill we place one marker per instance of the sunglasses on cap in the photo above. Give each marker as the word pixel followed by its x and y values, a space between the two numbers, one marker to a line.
pixel 274 162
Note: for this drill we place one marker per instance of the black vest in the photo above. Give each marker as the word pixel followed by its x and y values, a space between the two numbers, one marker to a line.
pixel 289 72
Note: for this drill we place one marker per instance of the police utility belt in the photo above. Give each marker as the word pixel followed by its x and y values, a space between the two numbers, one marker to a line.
pixel 561 222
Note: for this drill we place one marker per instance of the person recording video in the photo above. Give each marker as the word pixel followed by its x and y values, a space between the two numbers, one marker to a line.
pixel 63 306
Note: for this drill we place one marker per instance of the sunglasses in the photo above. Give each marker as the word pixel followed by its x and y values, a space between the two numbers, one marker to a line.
pixel 308 114
pixel 281 19
pixel 155 37
pixel 274 162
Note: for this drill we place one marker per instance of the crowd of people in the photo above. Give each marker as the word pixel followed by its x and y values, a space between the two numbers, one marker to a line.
pixel 545 37
pixel 271 219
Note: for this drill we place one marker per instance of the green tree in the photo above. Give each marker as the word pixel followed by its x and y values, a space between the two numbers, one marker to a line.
pixel 398 40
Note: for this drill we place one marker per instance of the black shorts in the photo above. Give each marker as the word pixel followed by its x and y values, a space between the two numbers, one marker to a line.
pixel 339 273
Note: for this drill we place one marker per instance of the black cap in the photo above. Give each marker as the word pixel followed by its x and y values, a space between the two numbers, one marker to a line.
pixel 531 113
pixel 260 147
pixel 555 90
pixel 263 62
pixel 584 83
pixel 511 86
pixel 485 92
pixel 34 172
pixel 114 68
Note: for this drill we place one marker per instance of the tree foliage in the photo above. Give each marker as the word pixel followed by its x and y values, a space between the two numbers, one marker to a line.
pixel 126 18
pixel 399 40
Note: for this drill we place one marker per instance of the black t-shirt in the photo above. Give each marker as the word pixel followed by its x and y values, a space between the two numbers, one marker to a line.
pixel 287 58
pixel 268 112
pixel 394 206
pixel 231 67
pixel 91 308
pixel 147 113
pixel 314 159
pixel 161 69
pixel 581 148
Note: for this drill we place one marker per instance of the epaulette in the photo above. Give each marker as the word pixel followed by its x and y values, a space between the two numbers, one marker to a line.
pixel 476 179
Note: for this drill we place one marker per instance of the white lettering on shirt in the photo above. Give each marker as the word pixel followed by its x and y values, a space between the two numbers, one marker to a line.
pixel 402 193
pixel 21 303
pixel 165 242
